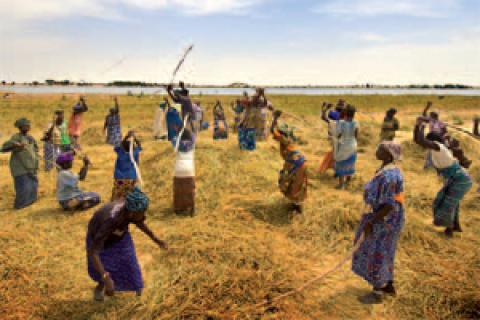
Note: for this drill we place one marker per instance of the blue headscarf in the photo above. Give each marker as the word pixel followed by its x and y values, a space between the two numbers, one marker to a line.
pixel 136 201
pixel 334 115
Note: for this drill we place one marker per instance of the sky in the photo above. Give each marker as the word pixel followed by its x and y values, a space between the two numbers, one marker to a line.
pixel 263 42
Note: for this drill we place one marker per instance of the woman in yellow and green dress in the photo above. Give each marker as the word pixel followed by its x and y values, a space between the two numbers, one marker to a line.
pixel 390 126
pixel 23 164
pixel 293 177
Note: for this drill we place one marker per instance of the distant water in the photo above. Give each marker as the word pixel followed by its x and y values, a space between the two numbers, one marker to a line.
pixel 235 91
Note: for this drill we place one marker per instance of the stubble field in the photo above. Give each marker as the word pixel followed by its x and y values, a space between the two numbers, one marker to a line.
pixel 242 245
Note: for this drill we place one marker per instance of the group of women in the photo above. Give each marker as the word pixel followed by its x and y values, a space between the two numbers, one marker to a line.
pixel 112 261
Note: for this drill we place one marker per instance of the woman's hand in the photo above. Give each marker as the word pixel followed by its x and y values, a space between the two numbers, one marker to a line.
pixel 109 285
pixel 18 146
pixel 162 244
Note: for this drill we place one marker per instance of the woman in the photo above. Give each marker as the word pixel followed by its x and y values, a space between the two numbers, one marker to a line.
pixel 23 164
pixel 174 122
pixel 219 131
pixel 159 123
pixel 346 152
pixel 237 109
pixel 331 120
pixel 446 207
pixel 184 175
pixel 374 261
pixel 390 126
pixel 112 260
pixel 476 122
pixel 259 103
pixel 75 123
pixel 56 140
pixel 69 195
pixel 293 177
pixel 247 132
pixel 125 175
pixel 112 125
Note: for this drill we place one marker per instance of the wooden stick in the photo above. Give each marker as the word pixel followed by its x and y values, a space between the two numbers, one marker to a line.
pixel 463 131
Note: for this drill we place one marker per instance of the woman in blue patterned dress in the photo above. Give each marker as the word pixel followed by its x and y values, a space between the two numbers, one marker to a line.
pixel 112 126
pixel 381 226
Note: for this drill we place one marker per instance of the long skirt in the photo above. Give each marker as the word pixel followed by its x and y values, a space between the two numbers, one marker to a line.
pixel 26 188
pixel 84 201
pixel 50 154
pixel 247 138
pixel 183 194
pixel 294 187
pixel 375 259
pixel 346 167
pixel 327 162
pixel 121 187
pixel 446 206
pixel 120 261
pixel 114 135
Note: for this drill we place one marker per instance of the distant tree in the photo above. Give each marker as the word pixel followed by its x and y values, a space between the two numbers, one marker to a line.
pixel 50 82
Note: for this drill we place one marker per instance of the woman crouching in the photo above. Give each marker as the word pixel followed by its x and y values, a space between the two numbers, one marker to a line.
pixel 112 260
pixel 293 177
pixel 381 226
pixel 69 194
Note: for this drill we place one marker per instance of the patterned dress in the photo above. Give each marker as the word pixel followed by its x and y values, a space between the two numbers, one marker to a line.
pixel 374 260
pixel 346 150
pixel 292 179
pixel 247 136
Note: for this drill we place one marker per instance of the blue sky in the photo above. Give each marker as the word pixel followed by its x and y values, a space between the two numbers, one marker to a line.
pixel 256 41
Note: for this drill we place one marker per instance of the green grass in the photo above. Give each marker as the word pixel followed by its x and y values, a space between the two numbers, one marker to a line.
pixel 242 246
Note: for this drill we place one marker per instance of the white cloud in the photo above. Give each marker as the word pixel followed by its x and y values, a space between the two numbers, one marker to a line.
pixel 371 37
pixel 417 8
pixel 21 10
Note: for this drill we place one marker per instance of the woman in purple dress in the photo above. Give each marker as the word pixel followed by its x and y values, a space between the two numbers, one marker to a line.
pixel 112 261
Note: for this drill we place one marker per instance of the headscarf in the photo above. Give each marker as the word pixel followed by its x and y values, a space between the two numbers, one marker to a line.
pixel 288 133
pixel 394 149
pixel 136 201
pixel 334 115
pixel 22 122
pixel 64 158
pixel 77 107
